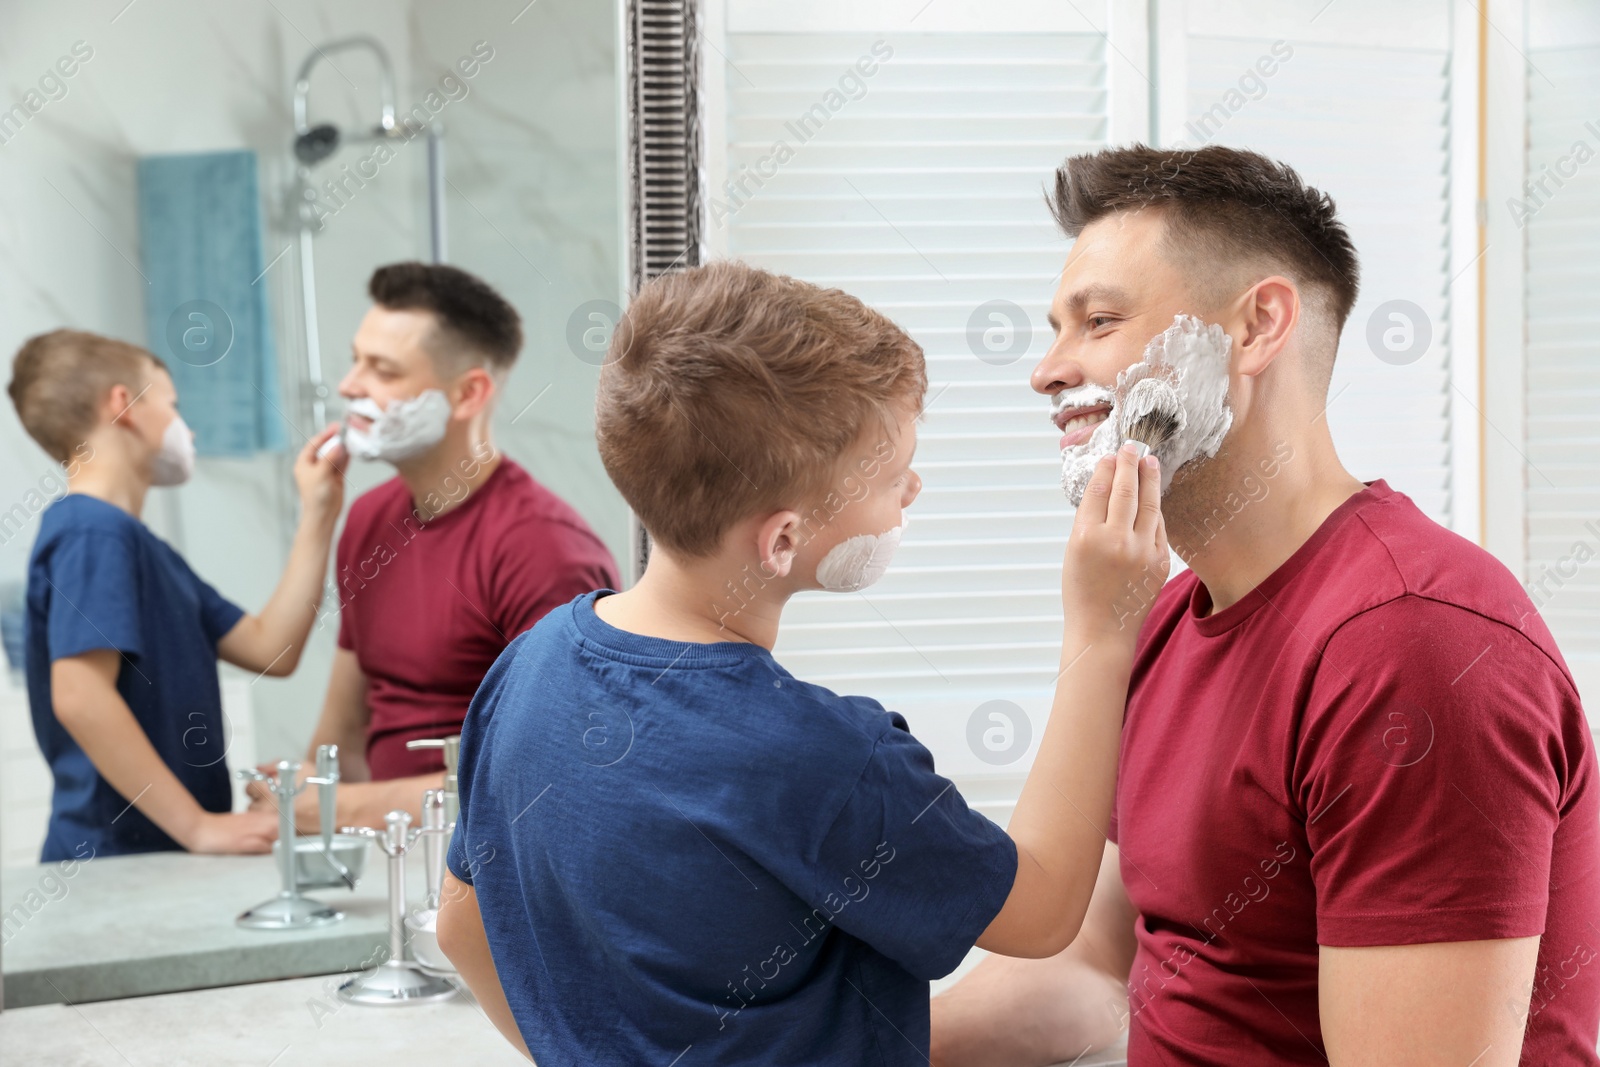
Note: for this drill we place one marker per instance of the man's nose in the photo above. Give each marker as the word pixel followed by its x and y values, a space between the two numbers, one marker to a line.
pixel 1055 372
pixel 347 384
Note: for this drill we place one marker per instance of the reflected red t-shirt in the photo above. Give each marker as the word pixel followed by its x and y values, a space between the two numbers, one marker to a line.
pixel 1380 745
pixel 427 607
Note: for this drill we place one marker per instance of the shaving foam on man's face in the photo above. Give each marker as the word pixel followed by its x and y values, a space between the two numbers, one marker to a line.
pixel 404 429
pixel 1189 356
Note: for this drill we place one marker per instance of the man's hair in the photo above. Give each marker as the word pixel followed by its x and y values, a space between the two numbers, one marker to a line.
pixel 476 325
pixel 1228 213
pixel 729 391
pixel 60 378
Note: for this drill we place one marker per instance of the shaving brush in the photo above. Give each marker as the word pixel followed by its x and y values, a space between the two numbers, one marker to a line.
pixel 1151 415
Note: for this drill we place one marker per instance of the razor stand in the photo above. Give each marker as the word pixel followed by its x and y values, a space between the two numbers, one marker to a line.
pixel 289 910
pixel 396 980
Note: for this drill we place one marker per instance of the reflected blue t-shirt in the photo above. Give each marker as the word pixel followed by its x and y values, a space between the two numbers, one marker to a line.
pixel 684 854
pixel 98 578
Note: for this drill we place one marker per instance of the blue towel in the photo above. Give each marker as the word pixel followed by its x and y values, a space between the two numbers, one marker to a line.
pixel 206 310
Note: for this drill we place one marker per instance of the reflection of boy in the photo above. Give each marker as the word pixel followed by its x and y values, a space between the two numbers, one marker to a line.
pixel 693 847
pixel 122 637
pixel 441 566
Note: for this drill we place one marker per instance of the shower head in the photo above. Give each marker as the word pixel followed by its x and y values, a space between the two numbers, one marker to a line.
pixel 316 144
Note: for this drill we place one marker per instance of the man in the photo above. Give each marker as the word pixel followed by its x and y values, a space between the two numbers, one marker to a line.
pixel 1356 815
pixel 440 567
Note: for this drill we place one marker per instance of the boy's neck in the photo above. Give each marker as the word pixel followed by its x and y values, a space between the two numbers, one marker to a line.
pixel 107 476
pixel 698 602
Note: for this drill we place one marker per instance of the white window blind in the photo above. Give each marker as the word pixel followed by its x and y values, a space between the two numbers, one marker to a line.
pixel 922 195
pixel 1366 119
pixel 1561 212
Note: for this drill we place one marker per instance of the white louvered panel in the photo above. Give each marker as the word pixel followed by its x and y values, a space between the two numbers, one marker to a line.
pixel 1563 354
pixel 1368 125
pixel 924 199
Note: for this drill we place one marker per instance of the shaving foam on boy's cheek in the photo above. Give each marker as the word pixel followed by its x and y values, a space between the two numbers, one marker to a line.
pixel 1191 357
pixel 857 562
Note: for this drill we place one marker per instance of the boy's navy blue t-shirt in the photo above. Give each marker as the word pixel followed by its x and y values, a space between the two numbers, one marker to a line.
pixel 681 850
pixel 98 578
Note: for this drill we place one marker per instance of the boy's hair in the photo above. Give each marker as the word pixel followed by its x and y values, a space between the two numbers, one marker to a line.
pixel 475 322
pixel 1227 212
pixel 60 378
pixel 728 391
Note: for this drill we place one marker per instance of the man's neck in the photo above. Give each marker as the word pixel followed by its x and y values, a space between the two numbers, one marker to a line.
pixel 445 478
pixel 1237 524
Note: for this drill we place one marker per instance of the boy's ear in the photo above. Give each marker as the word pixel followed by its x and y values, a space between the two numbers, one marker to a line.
pixel 119 398
pixel 777 541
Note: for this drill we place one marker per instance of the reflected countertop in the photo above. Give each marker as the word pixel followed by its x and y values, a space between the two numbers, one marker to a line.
pixel 126 926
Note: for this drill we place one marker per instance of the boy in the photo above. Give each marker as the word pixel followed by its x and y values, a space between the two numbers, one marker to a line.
pixel 666 841
pixel 122 638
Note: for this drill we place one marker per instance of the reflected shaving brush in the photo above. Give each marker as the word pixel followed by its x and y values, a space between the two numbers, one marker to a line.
pixel 1152 415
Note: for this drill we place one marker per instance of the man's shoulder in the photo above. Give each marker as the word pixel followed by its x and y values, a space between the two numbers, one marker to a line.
pixel 1438 564
pixel 523 509
pixel 1441 579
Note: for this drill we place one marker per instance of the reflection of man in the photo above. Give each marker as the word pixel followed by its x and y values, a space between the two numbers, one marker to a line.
pixel 439 568
pixel 1356 785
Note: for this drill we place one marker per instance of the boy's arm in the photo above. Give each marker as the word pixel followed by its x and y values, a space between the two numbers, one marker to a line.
pixel 271 642
pixel 1025 1013
pixel 85 700
pixel 462 940
pixel 1118 543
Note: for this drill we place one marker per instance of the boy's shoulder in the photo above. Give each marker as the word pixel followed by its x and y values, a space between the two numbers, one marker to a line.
pixel 730 689
pixel 78 515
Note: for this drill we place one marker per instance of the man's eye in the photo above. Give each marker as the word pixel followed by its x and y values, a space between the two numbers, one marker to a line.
pixel 1095 321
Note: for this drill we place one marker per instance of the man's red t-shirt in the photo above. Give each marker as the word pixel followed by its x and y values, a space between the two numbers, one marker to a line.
pixel 427 607
pixel 1380 745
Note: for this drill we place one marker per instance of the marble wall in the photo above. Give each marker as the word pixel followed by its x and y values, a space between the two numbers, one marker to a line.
pixel 532 206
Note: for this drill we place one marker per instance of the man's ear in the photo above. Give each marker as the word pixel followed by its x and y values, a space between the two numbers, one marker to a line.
pixel 777 542
pixel 471 392
pixel 1270 314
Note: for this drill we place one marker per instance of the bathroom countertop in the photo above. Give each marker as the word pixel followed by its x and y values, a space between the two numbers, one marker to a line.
pixel 292 1023
pixel 162 922
pixel 270 1024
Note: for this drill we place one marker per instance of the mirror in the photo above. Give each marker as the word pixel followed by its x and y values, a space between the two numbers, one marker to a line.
pixel 481 134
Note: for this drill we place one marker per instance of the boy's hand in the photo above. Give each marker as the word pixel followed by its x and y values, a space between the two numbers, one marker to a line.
pixel 321 478
pixel 1116 558
pixel 233 832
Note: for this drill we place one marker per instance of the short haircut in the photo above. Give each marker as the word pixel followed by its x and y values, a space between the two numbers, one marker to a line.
pixel 1227 212
pixel 60 378
pixel 476 325
pixel 729 391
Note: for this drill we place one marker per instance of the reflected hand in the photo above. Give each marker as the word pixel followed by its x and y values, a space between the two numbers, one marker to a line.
pixel 246 832
pixel 307 819
pixel 320 479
